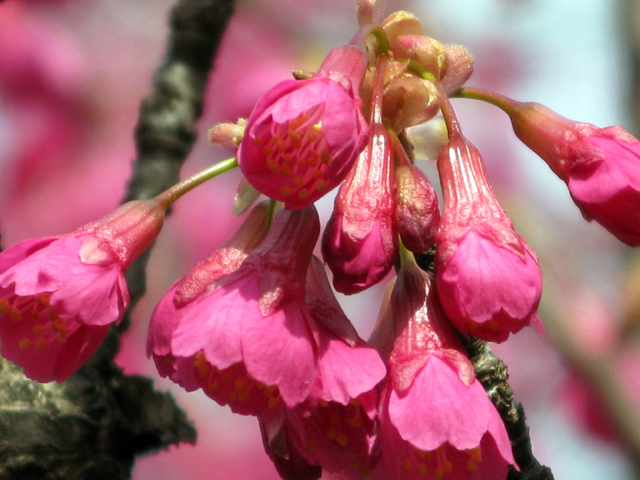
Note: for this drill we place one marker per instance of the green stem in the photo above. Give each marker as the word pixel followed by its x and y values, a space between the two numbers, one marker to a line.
pixel 500 101
pixel 174 193
pixel 418 69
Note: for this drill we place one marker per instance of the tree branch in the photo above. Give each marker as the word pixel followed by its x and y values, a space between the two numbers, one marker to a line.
pixel 493 374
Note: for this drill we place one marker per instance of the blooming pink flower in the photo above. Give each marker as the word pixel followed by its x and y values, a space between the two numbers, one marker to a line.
pixel 360 243
pixel 303 136
pixel 58 295
pixel 335 426
pixel 601 166
pixel 169 312
pixel 249 334
pixel 436 418
pixel 489 281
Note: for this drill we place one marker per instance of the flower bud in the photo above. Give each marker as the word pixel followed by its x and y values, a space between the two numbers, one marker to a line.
pixel 417 213
pixel 488 278
pixel 227 134
pixel 360 243
pixel 601 166
pixel 458 70
pixel 402 23
pixel 427 51
pixel 409 101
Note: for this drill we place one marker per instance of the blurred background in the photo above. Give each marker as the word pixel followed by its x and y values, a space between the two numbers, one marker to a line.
pixel 73 73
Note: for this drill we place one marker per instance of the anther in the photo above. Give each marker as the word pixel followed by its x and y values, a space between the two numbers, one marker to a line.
pixel 15 316
pixel 4 306
pixel 303 194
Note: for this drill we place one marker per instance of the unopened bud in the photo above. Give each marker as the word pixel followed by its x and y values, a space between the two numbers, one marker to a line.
pixel 417 215
pixel 459 68
pixel 227 134
pixel 427 51
pixel 410 101
pixel 402 23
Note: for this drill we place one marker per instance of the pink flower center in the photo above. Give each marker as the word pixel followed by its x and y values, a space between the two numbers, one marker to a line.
pixel 297 150
pixel 47 327
pixel 235 387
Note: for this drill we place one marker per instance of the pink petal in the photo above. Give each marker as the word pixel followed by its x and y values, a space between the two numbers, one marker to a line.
pixel 213 323
pixel 439 408
pixel 279 350
pixel 344 372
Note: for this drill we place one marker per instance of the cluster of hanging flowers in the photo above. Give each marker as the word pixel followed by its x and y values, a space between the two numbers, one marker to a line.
pixel 256 326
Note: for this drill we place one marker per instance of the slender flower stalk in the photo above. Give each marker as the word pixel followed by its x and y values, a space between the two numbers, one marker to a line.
pixel 169 196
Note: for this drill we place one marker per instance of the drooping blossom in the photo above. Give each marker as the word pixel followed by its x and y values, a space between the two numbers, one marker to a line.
pixel 303 136
pixel 601 166
pixel 171 308
pixel 335 426
pixel 489 281
pixel 246 341
pixel 360 243
pixel 251 336
pixel 436 420
pixel 58 295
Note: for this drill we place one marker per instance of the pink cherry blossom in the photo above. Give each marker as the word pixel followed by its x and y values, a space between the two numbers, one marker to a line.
pixel 435 416
pixel 58 295
pixel 601 166
pixel 249 334
pixel 489 281
pixel 169 311
pixel 335 426
pixel 303 136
